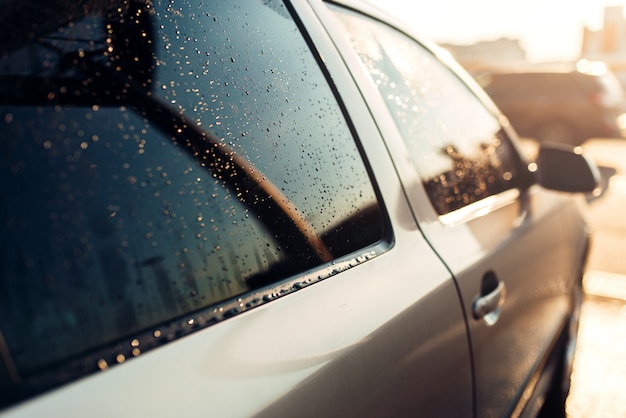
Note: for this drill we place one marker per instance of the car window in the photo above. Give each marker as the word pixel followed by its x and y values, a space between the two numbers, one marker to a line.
pixel 159 159
pixel 456 145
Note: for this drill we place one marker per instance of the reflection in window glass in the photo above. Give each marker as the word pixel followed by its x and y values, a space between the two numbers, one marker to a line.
pixel 456 145
pixel 165 157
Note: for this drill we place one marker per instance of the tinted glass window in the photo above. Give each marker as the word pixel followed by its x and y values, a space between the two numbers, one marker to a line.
pixel 456 145
pixel 158 158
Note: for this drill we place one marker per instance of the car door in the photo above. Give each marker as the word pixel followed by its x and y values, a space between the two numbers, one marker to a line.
pixel 220 231
pixel 514 249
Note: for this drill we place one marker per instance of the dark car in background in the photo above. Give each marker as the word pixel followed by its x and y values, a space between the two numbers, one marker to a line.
pixel 559 106
pixel 275 209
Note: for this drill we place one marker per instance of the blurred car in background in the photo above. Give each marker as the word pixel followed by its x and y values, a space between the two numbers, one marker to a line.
pixel 272 209
pixel 559 106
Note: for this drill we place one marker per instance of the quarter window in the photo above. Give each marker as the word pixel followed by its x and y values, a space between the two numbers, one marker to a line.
pixel 456 145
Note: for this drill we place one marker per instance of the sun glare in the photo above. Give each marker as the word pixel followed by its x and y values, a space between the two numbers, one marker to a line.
pixel 547 30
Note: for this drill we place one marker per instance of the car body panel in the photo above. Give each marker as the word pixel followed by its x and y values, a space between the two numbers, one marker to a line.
pixel 518 237
pixel 390 329
pixel 538 273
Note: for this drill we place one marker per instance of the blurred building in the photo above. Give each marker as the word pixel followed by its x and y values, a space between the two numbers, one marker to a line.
pixel 609 43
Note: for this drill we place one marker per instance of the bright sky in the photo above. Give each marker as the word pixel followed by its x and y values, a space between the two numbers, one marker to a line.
pixel 549 30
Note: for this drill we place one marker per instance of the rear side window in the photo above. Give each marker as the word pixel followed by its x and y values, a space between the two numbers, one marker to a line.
pixel 158 160
pixel 456 145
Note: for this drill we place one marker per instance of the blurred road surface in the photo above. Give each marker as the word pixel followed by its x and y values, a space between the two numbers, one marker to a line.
pixel 599 379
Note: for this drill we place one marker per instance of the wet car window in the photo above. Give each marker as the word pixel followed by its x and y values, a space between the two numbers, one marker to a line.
pixel 456 145
pixel 158 159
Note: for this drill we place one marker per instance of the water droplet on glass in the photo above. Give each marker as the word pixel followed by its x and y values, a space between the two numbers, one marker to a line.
pixel 102 364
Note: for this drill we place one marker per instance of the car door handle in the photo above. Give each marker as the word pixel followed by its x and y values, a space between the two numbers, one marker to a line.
pixel 487 305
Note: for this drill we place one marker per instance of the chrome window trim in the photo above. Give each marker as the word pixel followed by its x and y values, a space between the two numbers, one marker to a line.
pixel 480 208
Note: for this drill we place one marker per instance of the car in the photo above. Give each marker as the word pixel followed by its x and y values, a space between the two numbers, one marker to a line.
pixel 560 105
pixel 267 208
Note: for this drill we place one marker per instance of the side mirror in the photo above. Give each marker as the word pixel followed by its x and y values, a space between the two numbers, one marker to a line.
pixel 566 169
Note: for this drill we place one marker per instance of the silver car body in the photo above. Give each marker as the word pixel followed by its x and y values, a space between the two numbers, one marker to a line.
pixel 393 334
